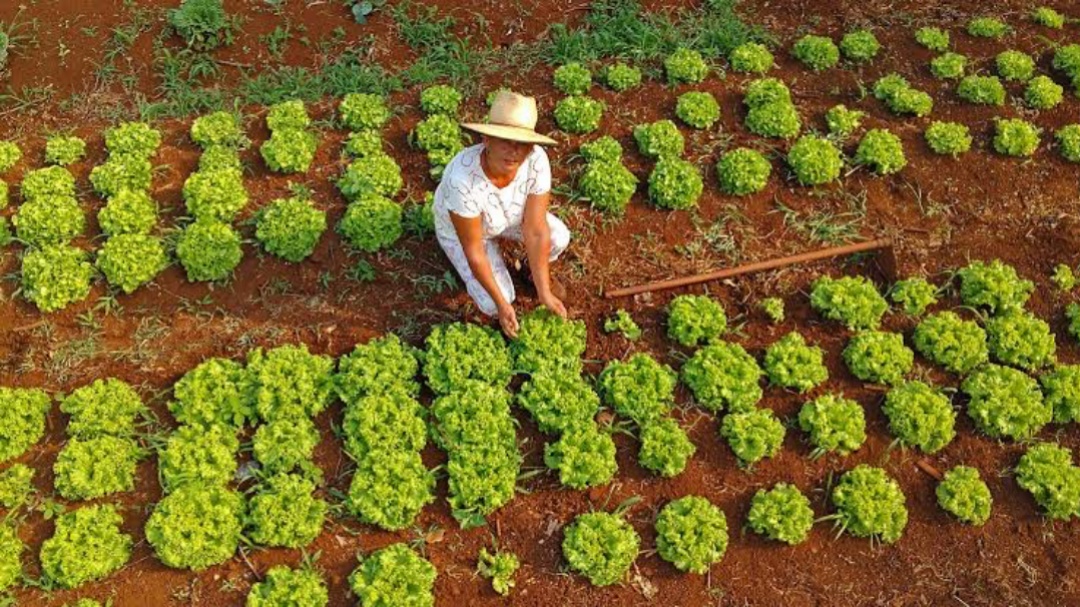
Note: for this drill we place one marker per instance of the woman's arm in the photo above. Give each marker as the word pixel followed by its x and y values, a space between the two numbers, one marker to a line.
pixel 537 235
pixel 470 234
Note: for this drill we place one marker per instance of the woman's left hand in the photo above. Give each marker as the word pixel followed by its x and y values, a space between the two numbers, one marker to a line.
pixel 554 304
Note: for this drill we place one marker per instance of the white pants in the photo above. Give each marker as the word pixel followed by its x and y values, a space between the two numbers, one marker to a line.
pixel 560 239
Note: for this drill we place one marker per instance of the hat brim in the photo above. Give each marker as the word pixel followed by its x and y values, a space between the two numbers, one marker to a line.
pixel 513 133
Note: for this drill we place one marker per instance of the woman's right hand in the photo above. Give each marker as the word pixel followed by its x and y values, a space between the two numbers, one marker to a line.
pixel 508 320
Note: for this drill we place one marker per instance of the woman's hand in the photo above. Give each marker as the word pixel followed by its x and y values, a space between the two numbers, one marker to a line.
pixel 508 320
pixel 554 304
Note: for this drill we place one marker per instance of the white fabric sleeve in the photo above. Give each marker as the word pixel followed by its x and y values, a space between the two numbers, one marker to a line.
pixel 459 199
pixel 539 173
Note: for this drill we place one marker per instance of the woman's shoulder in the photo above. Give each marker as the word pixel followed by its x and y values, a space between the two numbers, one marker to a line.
pixel 462 164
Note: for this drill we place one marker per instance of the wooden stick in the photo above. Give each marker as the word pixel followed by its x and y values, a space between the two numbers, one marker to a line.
pixel 929 468
pixel 873 245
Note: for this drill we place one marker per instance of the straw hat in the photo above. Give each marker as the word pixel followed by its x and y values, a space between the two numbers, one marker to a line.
pixel 512 117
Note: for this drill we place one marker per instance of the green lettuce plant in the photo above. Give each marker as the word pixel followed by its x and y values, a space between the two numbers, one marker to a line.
pixel 440 99
pixel 1048 17
pixel 1067 60
pixel 96 467
pixel 1016 137
pixel 987 27
pixel 948 340
pixel 691 534
pixel 879 357
pixel 220 158
pixel 608 186
pixel 791 363
pixel 559 402
pixel 1021 340
pixel 499 567
pixel 289 382
pixel 723 374
pixel 620 77
pixel 132 139
pixel 290 228
pixel 870 504
pixel 584 456
pixel 285 586
pixel 835 424
pixel 105 406
pixel 901 98
pixel 64 150
pixel 387 420
pixel 459 352
pixel 43 223
pixel 624 324
pixel 816 52
pixel 284 512
pixel 1063 278
pixel 913 295
pixel 16 485
pixel 1015 66
pixel 375 367
pixel 950 138
pixel 394 576
pixel 751 58
pixel 773 307
pixel 371 223
pixel 363 111
pixel 881 151
pixel 815 161
pixel 203 24
pixel 1006 403
pixel 685 66
pixel 128 212
pixel 218 129
pixel 695 319
pixel 54 277
pixel 659 139
pixel 1068 141
pixel 602 150
pixel 22 419
pixel 289 150
pixel 119 173
pixel 578 114
pixel 963 494
pixel 573 79
pixel 11 548
pixel 852 300
pixel 361 144
pixel 46 184
pixel 640 388
pixel 860 46
pixel 129 261
pixel 1042 93
pixel 697 109
pixel 771 112
pixel 196 527
pixel 949 66
pixel 920 416
pixel 198 456
pixel 548 343
pixel 1046 472
pixel 390 488
pixel 982 90
pixel 743 171
pixel 288 115
pixel 994 285
pixel 375 175
pixel 843 122
pixel 214 392
pixel 1061 390
pixel 782 513
pixel 215 195
pixel 665 447
pixel 87 545
pixel 601 547
pixel 209 250
pixel 753 435
pixel 10 154
pixel 675 184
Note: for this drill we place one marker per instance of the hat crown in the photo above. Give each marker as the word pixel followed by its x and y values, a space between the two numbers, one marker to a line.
pixel 512 109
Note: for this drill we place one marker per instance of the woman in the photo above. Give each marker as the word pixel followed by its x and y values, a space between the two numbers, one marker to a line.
pixel 501 188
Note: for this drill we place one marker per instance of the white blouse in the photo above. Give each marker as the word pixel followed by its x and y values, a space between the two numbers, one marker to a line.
pixel 466 191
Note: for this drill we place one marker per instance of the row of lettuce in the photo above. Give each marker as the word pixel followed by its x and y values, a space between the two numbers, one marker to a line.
pixel 201 519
